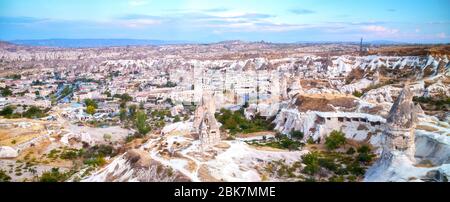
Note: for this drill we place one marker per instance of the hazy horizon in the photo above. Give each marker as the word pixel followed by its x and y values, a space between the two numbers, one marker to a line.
pixel 219 41
pixel 201 21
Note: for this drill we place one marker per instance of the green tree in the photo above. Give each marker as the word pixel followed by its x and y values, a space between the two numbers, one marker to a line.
pixel 311 161
pixel 364 149
pixel 297 134
pixel 90 102
pixel 53 99
pixel 364 154
pixel 125 97
pixel 123 114
pixel 123 105
pixel 8 110
pixel 335 140
pixel 34 112
pixel 6 91
pixel 90 110
pixel 177 119
pixel 350 151
pixel 141 123
pixel 132 111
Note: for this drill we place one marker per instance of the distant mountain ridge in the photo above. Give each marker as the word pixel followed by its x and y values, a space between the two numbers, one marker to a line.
pixel 93 43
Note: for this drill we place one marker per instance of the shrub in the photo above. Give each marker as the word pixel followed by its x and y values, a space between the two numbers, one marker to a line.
pixel 328 164
pixel 95 161
pixel 8 110
pixel 358 94
pixel 34 112
pixel 132 111
pixel 124 97
pixel 236 122
pixel 53 176
pixel 350 151
pixel 356 169
pixel 70 154
pixel 5 92
pixel 287 143
pixel 4 177
pixel 364 157
pixel 339 178
pixel 123 114
pixel 141 123
pixel 107 137
pixel 364 154
pixel 364 149
pixel 177 119
pixel 297 134
pixel 335 140
pixel 311 161
pixel 99 150
pixel 90 110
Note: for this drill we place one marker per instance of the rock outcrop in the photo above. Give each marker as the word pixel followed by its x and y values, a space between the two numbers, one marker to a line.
pixel 205 124
pixel 398 143
pixel 8 152
pixel 400 125
pixel 136 166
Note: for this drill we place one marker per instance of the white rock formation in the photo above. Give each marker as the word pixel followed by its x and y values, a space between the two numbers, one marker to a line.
pixel 205 124
pixel 8 152
pixel 397 162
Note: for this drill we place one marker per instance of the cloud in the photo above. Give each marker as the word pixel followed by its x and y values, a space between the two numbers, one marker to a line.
pixel 20 20
pixel 379 30
pixel 254 16
pixel 439 23
pixel 138 16
pixel 363 23
pixel 135 3
pixel 221 9
pixel 441 35
pixel 138 21
pixel 301 11
pixel 392 10
pixel 264 26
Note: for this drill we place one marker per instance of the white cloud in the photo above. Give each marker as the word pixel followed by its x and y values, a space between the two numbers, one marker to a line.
pixel 442 35
pixel 137 23
pixel 380 30
pixel 138 2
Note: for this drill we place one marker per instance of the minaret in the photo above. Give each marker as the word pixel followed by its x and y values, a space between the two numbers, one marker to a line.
pixel 361 47
pixel 400 124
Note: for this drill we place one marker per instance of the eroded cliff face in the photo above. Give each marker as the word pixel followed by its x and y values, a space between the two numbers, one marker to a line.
pixel 136 166
pixel 317 115
pixel 432 148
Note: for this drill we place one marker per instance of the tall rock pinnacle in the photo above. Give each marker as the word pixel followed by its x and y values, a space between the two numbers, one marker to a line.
pixel 400 125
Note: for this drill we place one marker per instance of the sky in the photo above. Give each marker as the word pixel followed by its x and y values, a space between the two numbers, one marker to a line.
pixel 416 21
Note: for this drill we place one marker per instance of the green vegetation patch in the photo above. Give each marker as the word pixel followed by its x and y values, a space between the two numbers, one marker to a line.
pixel 235 122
